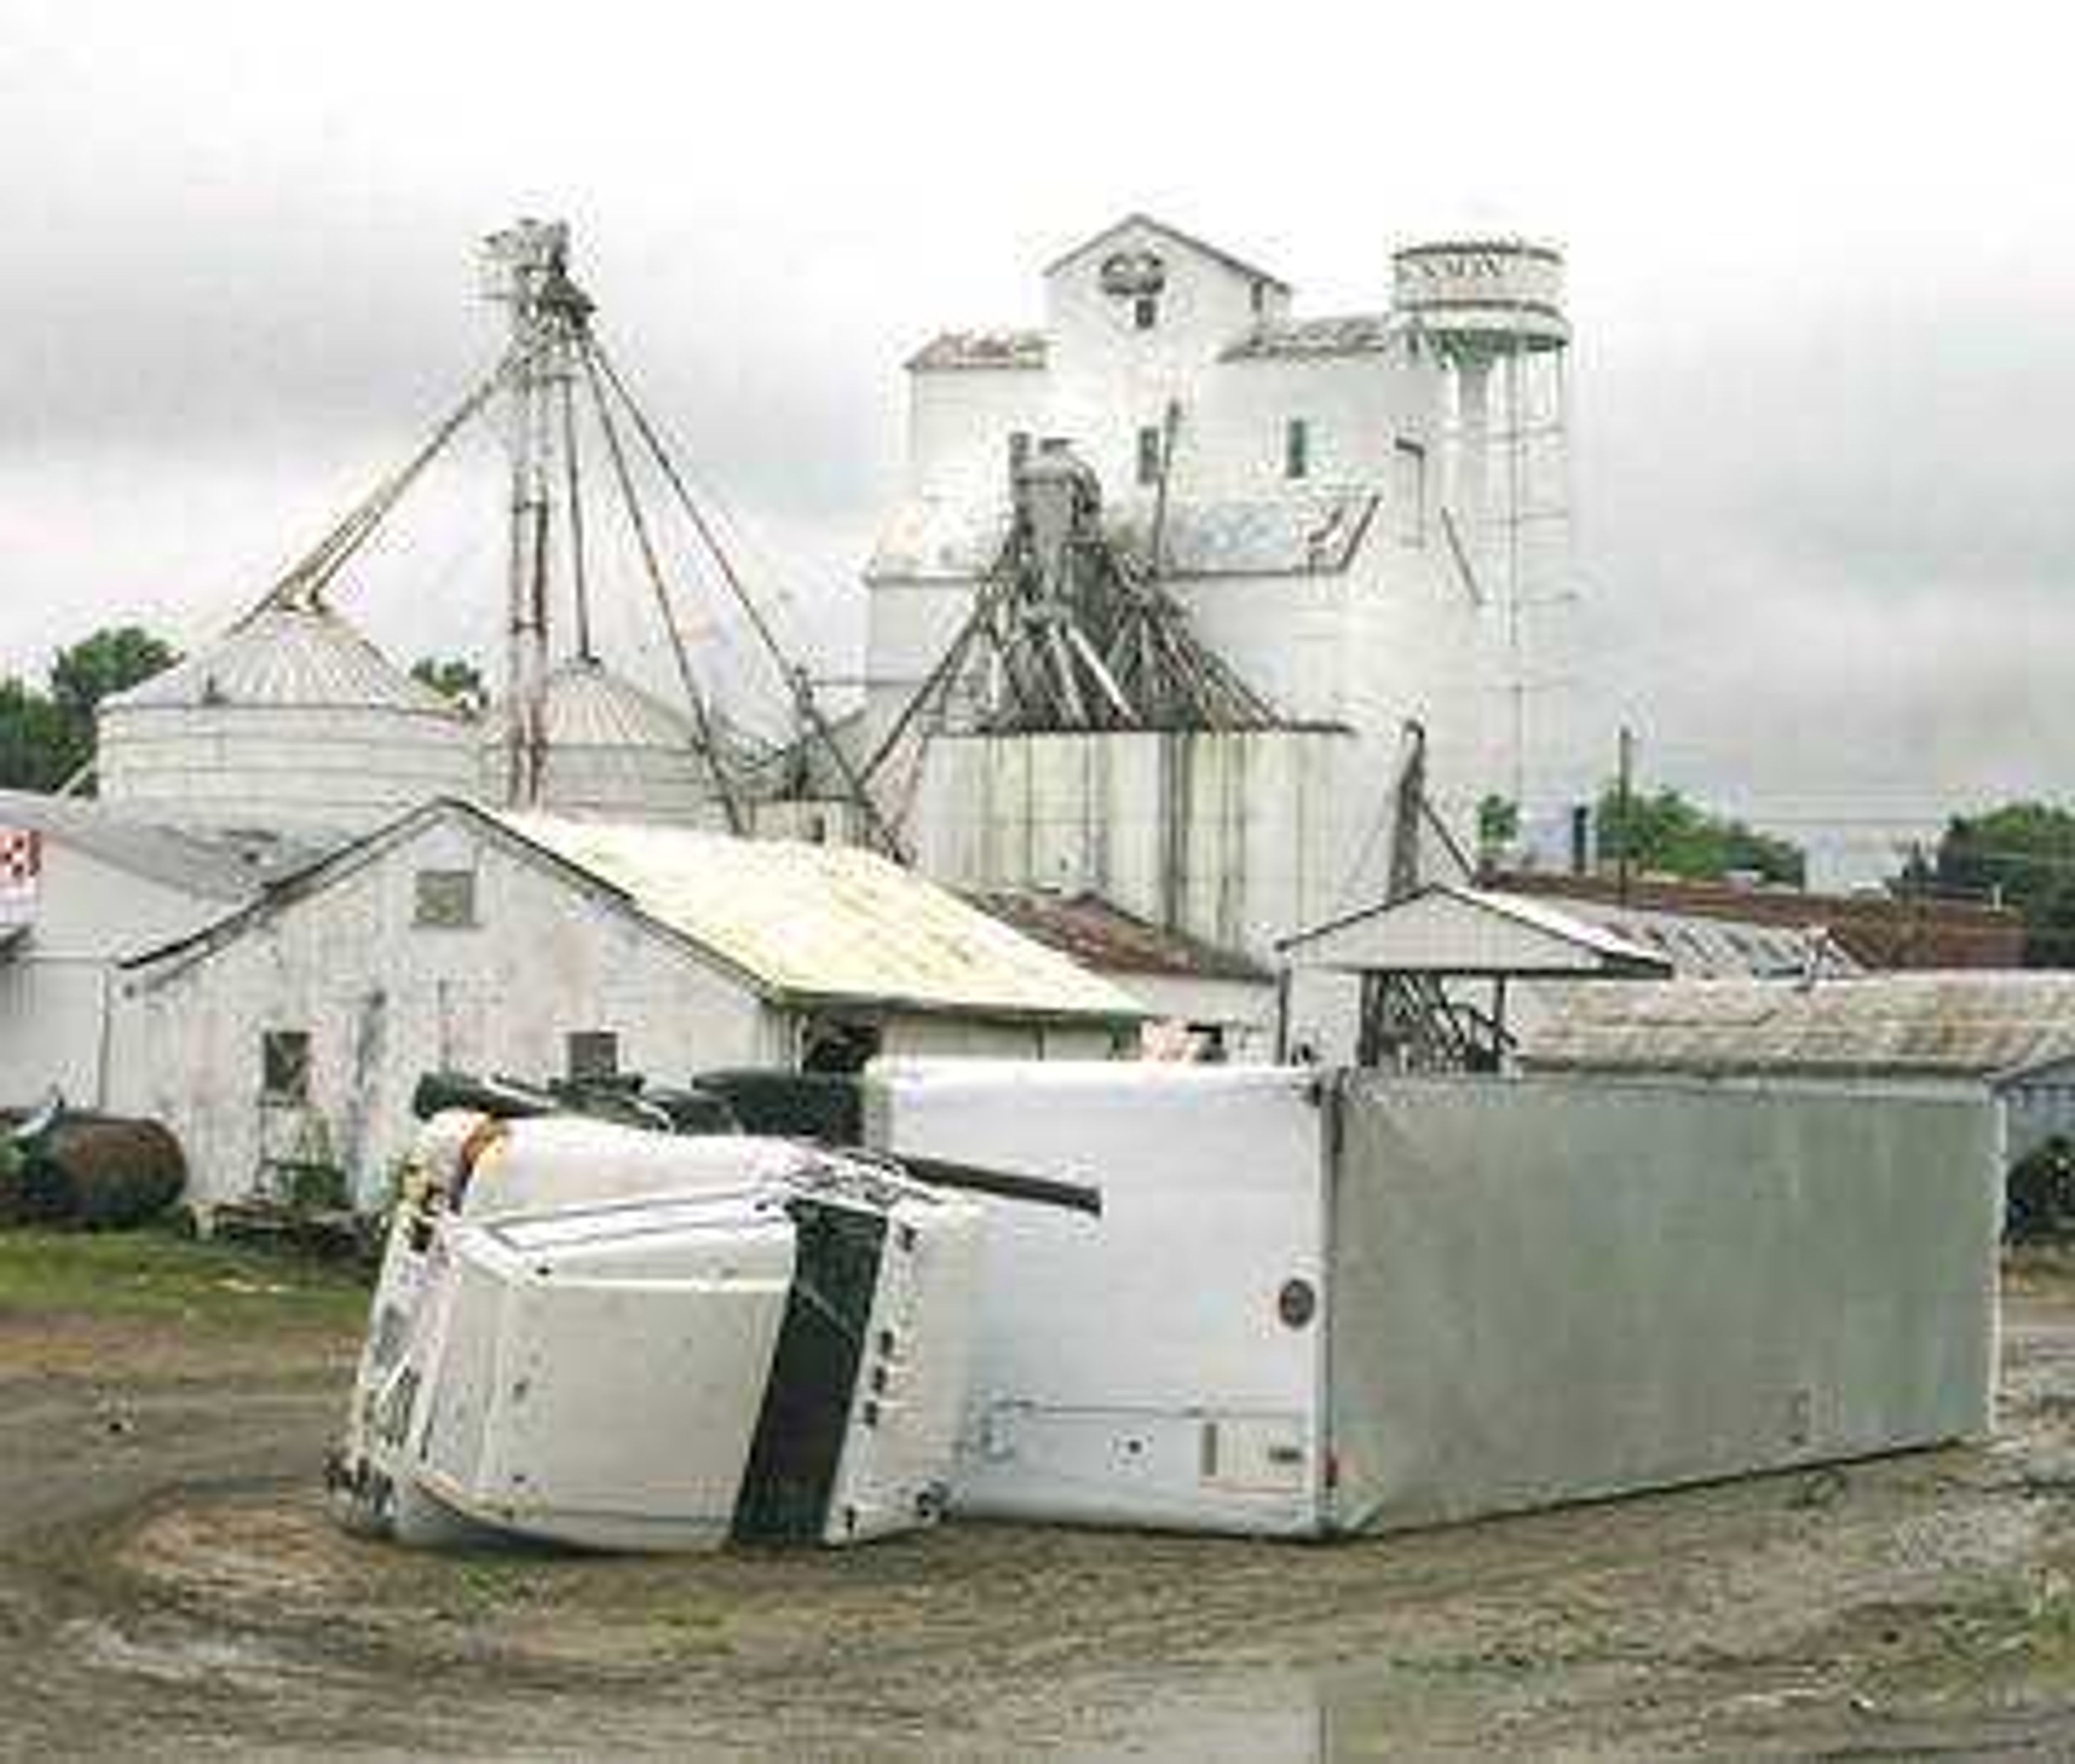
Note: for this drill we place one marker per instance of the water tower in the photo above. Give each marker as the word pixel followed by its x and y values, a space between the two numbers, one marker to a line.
pixel 1492 310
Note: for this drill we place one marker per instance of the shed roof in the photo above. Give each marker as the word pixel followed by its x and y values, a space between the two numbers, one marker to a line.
pixel 1353 333
pixel 1958 1024
pixel 799 923
pixel 1100 934
pixel 213 865
pixel 827 921
pixel 1448 929
pixel 963 349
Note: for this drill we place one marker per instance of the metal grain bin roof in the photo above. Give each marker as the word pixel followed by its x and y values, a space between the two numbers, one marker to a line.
pixel 589 705
pixel 286 657
pixel 1959 1023
pixel 827 922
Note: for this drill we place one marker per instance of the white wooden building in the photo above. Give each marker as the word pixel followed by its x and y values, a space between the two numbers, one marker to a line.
pixel 286 1036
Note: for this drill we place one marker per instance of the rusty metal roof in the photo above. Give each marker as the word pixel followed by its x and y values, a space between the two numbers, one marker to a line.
pixel 1961 1023
pixel 1099 934
pixel 960 350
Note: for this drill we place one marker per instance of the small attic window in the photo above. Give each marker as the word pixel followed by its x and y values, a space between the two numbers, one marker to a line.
pixel 1257 294
pixel 445 900
pixel 1146 312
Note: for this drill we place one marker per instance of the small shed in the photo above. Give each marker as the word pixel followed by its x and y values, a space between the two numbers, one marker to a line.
pixel 1437 973
pixel 282 1041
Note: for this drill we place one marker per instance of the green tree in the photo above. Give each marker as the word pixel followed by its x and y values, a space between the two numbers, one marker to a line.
pixel 46 737
pixel 2021 854
pixel 460 680
pixel 1666 833
pixel 111 661
pixel 40 748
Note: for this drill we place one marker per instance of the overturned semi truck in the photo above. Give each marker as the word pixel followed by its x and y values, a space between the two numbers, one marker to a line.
pixel 594 1335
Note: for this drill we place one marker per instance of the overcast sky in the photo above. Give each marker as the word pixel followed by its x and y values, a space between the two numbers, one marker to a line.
pixel 1822 274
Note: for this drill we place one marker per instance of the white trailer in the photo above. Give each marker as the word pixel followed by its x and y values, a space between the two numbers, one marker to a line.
pixel 1319 1303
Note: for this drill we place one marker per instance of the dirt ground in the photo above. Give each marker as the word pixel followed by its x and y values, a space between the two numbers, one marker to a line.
pixel 170 1586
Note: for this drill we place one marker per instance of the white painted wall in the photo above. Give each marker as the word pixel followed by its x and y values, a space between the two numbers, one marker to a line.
pixel 385 1000
pixel 59 991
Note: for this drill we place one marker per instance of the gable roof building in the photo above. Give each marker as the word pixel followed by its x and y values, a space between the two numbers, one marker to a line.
pixel 286 1036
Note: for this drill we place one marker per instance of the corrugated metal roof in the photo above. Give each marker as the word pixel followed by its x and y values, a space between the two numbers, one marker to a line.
pixel 1303 533
pixel 213 865
pixel 589 705
pixel 1354 333
pixel 955 350
pixel 827 922
pixel 286 657
pixel 1100 934
pixel 1962 1023
pixel 1700 948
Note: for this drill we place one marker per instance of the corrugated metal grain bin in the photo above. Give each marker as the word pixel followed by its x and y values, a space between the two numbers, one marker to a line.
pixel 1319 1303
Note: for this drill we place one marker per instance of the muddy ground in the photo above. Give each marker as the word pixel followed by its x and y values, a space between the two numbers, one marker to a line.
pixel 169 1587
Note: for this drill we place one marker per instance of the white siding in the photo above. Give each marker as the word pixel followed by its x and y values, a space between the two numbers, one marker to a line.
pixel 59 993
pixel 384 1000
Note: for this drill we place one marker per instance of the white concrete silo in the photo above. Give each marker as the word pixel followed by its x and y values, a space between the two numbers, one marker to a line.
pixel 611 752
pixel 292 719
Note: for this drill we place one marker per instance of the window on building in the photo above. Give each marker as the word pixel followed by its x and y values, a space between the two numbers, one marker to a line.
pixel 1408 491
pixel 284 1066
pixel 446 898
pixel 591 1055
pixel 1297 449
pixel 1257 293
pixel 1149 456
pixel 1146 311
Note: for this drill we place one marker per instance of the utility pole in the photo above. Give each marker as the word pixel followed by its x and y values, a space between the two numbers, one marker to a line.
pixel 1624 795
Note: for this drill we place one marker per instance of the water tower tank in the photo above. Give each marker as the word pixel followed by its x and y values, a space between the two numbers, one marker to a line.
pixel 614 752
pixel 294 720
pixel 1494 297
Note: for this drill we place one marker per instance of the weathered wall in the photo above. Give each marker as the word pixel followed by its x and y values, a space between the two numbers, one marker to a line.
pixel 384 999
pixel 1237 838
pixel 59 993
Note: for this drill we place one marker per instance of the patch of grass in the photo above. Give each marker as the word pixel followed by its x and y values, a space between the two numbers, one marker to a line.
pixel 158 1273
